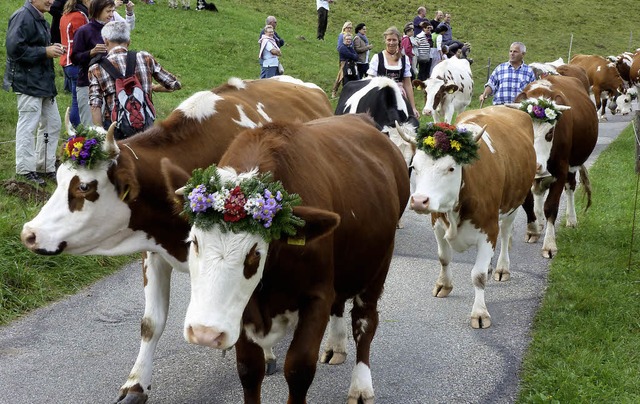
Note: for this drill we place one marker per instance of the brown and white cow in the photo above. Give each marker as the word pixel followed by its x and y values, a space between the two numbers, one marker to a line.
pixel 120 207
pixel 354 186
pixel 470 205
pixel 604 79
pixel 568 146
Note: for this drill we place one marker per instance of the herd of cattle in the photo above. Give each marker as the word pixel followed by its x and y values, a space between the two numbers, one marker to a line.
pixel 355 185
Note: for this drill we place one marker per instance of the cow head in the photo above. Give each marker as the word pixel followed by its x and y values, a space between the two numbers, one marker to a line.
pixel 543 129
pixel 87 213
pixel 436 89
pixel 438 176
pixel 227 257
pixel 622 104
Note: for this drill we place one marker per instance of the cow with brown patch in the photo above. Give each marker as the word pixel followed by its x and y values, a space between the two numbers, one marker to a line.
pixel 120 206
pixel 248 286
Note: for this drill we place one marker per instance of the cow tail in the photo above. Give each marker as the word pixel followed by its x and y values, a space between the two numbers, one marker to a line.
pixel 586 184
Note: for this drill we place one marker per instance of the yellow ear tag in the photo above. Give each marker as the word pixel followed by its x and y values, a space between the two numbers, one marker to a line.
pixel 296 240
pixel 451 90
pixel 124 195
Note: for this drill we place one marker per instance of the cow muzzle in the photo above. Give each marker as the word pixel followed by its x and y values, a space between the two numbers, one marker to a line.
pixel 207 336
pixel 30 240
pixel 419 203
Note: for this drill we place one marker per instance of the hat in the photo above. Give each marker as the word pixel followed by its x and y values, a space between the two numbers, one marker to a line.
pixel 408 26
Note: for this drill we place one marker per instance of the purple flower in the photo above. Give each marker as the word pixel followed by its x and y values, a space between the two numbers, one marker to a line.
pixel 199 200
pixel 538 111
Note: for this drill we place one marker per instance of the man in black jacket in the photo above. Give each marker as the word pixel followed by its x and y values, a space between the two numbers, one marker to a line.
pixel 30 73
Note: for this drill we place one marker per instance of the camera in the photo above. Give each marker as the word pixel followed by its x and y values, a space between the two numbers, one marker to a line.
pixel 125 1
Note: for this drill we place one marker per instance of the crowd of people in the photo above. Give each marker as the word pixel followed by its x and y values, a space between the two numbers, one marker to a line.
pixel 86 34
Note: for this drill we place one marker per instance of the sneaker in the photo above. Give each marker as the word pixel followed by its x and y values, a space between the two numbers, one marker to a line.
pixel 51 176
pixel 33 177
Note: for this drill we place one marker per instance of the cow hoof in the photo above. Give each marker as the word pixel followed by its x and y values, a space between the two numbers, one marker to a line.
pixel 442 291
pixel 333 357
pixel 271 367
pixel 399 225
pixel 572 225
pixel 549 253
pixel 133 397
pixel 501 275
pixel 531 238
pixel 360 400
pixel 481 322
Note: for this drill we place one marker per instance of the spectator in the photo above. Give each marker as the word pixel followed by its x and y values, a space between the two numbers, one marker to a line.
pixel 409 46
pixel 349 56
pixel 447 37
pixel 56 12
pixel 88 44
pixel 509 78
pixel 129 18
pixel 271 20
pixel 116 37
pixel 362 46
pixel 269 53
pixel 422 16
pixel 323 17
pixel 347 27
pixel 186 4
pixel 74 16
pixel 424 51
pixel 31 75
pixel 437 54
pixel 437 19
pixel 391 63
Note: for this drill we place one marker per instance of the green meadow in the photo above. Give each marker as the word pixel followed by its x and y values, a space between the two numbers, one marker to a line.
pixel 586 337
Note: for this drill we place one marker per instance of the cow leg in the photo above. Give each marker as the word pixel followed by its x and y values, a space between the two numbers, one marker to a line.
pixel 302 356
pixel 533 231
pixel 335 350
pixel 600 106
pixel 570 188
pixel 251 368
pixel 502 272
pixel 549 247
pixel 157 280
pixel 444 284
pixel 480 317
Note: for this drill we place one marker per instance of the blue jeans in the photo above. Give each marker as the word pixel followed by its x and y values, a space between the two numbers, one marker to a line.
pixel 267 72
pixel 72 73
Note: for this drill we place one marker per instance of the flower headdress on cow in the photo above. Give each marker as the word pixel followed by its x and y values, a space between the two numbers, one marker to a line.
pixel 442 139
pixel 256 204
pixel 541 109
pixel 84 148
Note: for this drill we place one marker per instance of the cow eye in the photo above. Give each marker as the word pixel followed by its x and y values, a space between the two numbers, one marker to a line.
pixel 194 244
pixel 549 136
pixel 83 187
pixel 451 169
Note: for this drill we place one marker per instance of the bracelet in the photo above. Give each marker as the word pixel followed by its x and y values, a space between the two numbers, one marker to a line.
pixel 129 15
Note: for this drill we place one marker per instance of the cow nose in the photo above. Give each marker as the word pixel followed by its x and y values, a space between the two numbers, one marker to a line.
pixel 538 168
pixel 419 203
pixel 28 238
pixel 426 112
pixel 202 335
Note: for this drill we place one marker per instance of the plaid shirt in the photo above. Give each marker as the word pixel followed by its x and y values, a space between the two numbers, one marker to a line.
pixel 506 82
pixel 102 87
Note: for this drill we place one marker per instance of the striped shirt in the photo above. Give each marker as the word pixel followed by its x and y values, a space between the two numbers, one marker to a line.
pixel 102 86
pixel 507 82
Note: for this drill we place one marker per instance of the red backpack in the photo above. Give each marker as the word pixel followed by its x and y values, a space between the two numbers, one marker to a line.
pixel 133 110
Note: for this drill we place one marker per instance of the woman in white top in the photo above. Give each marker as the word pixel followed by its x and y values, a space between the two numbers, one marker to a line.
pixel 393 64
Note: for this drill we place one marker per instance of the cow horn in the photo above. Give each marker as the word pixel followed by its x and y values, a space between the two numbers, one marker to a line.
pixel 563 107
pixel 67 123
pixel 180 191
pixel 404 135
pixel 479 135
pixel 514 105
pixel 110 145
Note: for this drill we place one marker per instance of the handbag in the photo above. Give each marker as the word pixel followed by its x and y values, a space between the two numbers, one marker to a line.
pixel 280 68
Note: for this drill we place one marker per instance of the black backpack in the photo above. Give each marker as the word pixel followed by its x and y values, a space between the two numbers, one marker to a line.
pixel 133 110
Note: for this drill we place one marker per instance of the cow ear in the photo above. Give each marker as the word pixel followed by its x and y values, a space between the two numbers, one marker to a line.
pixel 450 88
pixel 419 84
pixel 126 184
pixel 318 223
pixel 520 97
pixel 174 178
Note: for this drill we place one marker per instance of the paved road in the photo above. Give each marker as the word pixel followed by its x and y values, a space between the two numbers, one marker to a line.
pixel 80 350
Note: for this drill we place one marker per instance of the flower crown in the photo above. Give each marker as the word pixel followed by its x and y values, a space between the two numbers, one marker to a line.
pixel 256 204
pixel 541 109
pixel 441 139
pixel 84 149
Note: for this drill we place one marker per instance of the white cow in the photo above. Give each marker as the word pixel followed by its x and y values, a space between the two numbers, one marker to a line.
pixel 448 90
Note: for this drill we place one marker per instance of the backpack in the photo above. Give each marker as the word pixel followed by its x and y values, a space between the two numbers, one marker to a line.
pixel 132 110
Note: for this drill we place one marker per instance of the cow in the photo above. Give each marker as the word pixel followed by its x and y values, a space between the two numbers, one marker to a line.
pixel 604 79
pixel 449 89
pixel 381 98
pixel 559 67
pixel 472 202
pixel 634 70
pixel 568 144
pixel 248 288
pixel 119 207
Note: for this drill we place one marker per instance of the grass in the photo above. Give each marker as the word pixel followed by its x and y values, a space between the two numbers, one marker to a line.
pixel 585 346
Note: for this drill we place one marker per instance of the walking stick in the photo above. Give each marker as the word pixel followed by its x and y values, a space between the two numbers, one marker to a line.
pixel 46 142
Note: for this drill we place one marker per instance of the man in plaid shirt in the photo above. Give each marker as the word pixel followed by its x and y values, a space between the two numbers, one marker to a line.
pixel 102 86
pixel 509 78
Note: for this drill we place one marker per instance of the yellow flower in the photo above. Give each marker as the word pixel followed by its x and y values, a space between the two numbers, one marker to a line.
pixel 429 141
pixel 455 145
